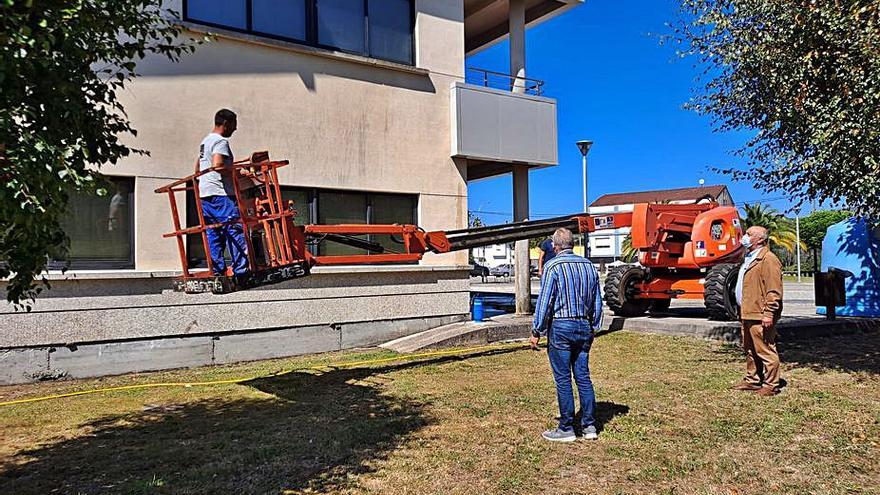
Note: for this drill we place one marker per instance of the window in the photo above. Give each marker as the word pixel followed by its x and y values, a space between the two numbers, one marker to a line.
pixel 374 28
pixel 100 228
pixel 338 208
pixel 391 209
pixel 229 13
pixel 285 18
pixel 390 30
pixel 329 207
pixel 341 24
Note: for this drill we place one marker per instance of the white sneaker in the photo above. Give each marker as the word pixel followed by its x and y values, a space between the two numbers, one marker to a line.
pixel 590 433
pixel 557 435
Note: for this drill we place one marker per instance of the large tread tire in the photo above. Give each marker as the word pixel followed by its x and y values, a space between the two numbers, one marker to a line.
pixel 619 280
pixel 719 292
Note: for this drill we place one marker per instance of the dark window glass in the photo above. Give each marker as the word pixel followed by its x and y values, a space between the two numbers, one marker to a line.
pixel 300 200
pixel 285 18
pixel 100 227
pixel 391 30
pixel 231 13
pixel 195 248
pixel 341 24
pixel 391 209
pixel 341 208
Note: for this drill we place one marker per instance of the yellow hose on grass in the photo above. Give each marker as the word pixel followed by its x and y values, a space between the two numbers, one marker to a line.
pixel 352 364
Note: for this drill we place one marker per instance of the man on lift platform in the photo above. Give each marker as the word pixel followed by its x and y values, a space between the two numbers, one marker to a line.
pixel 217 196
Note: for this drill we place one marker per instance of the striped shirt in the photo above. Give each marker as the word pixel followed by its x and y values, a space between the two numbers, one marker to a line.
pixel 569 290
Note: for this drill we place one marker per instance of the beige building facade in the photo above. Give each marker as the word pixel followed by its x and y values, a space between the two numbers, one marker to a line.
pixel 369 104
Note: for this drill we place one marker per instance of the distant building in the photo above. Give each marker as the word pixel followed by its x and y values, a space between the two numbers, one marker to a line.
pixel 492 256
pixel 606 246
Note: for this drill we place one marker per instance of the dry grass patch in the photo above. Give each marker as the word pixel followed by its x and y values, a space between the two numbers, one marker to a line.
pixel 668 424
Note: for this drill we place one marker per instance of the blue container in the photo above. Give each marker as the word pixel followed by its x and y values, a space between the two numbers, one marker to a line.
pixel 477 310
pixel 854 245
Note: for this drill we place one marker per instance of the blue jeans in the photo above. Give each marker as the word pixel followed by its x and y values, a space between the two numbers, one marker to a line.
pixel 222 209
pixel 569 350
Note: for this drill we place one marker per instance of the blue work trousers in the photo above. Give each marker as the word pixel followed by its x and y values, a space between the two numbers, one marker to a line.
pixel 569 343
pixel 222 209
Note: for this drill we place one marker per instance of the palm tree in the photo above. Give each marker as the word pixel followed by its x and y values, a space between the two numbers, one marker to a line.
pixel 628 253
pixel 781 230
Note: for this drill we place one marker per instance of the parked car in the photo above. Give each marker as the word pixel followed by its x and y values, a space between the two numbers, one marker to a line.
pixel 478 270
pixel 505 270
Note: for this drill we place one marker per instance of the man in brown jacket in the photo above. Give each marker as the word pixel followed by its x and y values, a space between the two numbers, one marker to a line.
pixel 759 294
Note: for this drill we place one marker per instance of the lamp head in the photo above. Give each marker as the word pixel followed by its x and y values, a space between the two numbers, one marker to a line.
pixel 584 146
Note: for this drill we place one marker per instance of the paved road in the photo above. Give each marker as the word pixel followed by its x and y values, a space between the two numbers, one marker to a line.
pixel 798 299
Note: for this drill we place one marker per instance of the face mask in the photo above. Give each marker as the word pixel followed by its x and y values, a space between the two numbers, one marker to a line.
pixel 746 241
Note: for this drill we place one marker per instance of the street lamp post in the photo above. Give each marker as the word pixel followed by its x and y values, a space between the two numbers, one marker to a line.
pixel 584 148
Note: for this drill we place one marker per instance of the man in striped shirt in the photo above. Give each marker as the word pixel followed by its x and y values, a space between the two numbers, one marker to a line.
pixel 569 311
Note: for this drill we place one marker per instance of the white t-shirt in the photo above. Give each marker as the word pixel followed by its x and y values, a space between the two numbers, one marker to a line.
pixel 213 183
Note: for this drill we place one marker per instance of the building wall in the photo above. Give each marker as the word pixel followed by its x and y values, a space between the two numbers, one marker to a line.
pixel 342 123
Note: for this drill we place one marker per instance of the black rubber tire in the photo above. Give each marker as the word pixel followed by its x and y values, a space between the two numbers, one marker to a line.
pixel 659 305
pixel 620 280
pixel 719 292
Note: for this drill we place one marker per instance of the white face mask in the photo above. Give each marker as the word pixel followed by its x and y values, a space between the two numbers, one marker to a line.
pixel 746 241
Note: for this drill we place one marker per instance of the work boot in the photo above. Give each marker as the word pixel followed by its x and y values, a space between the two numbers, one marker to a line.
pixel 750 387
pixel 557 435
pixel 767 391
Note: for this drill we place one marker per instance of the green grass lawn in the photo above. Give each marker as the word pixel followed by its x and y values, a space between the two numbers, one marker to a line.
pixel 668 424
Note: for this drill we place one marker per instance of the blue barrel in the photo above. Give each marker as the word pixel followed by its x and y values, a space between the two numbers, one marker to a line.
pixel 477 310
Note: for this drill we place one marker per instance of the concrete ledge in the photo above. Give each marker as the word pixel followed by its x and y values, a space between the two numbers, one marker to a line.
pixel 275 344
pixel 23 365
pixel 500 328
pixel 509 327
pixel 110 358
pixel 125 357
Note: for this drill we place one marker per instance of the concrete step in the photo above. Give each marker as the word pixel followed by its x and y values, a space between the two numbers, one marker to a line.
pixel 497 329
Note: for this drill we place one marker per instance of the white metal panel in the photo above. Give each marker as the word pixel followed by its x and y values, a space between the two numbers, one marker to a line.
pixel 496 125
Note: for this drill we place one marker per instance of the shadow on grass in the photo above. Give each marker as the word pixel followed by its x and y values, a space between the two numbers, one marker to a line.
pixel 857 352
pixel 853 352
pixel 316 433
pixel 605 412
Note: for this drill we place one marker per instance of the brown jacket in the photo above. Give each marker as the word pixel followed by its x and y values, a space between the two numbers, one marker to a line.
pixel 762 288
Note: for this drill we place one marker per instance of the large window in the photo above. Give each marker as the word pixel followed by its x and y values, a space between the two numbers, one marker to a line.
pixel 100 228
pixel 330 207
pixel 374 28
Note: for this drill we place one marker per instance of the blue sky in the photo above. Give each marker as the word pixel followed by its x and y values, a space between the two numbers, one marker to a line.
pixel 618 86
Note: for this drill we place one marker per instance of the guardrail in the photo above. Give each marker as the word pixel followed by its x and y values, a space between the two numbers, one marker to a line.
pixel 506 82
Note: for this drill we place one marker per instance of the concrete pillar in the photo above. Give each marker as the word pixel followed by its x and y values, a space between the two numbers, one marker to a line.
pixel 517 26
pixel 521 250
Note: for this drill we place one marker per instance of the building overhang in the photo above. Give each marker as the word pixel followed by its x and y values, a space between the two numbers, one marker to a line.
pixel 486 21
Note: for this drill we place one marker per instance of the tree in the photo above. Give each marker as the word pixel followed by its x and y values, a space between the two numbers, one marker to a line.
pixel 815 225
pixel 804 77
pixel 628 253
pixel 781 230
pixel 474 220
pixel 62 65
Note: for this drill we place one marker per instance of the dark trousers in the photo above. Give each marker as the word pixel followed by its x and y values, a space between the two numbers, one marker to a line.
pixel 222 209
pixel 569 350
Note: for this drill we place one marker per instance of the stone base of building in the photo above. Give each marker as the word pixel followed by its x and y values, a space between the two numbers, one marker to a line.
pixel 89 326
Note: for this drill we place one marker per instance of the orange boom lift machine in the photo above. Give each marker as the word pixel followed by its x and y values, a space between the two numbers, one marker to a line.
pixel 685 251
